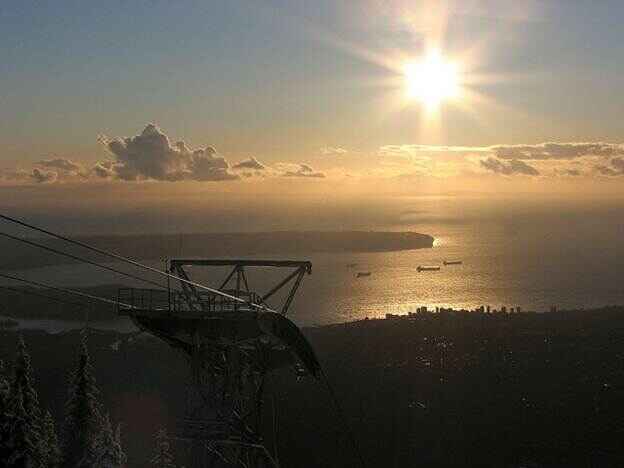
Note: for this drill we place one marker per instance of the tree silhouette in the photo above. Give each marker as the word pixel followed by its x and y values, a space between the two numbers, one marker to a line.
pixel 118 436
pixel 83 421
pixel 22 433
pixel 4 384
pixel 23 383
pixel 105 450
pixel 50 442
pixel 4 413
pixel 162 453
pixel 23 446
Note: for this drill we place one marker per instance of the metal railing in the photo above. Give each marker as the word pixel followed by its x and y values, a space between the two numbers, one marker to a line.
pixel 162 300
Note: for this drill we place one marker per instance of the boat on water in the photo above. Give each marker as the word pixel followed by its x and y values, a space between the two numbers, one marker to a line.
pixel 453 262
pixel 428 268
pixel 362 274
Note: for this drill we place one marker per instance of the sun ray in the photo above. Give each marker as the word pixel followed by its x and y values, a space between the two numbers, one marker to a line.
pixel 426 75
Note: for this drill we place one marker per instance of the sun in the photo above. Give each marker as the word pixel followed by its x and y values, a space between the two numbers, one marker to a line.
pixel 431 80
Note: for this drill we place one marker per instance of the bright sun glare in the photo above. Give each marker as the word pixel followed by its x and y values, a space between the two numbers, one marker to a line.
pixel 432 80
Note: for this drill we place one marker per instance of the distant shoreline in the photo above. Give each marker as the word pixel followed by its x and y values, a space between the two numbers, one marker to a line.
pixel 278 243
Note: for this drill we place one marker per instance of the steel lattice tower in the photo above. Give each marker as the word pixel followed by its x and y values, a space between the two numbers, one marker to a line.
pixel 232 340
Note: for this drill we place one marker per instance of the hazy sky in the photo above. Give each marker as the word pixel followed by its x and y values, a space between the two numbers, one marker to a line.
pixel 289 93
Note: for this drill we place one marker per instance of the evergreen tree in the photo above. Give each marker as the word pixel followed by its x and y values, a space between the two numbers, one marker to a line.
pixel 52 451
pixel 23 446
pixel 105 451
pixel 162 454
pixel 83 422
pixel 119 444
pixel 4 413
pixel 118 435
pixel 23 383
pixel 22 428
pixel 4 384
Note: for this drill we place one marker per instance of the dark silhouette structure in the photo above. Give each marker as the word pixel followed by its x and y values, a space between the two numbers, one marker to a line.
pixel 232 339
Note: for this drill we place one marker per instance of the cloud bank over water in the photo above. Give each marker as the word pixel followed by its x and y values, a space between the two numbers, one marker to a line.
pixel 548 159
pixel 151 156
pixel 544 151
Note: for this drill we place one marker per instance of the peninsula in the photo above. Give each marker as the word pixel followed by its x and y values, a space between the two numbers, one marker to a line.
pixel 238 244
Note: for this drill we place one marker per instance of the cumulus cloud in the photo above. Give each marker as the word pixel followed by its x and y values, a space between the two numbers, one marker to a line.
pixel 150 155
pixel 251 163
pixel 61 164
pixel 512 167
pixel 42 176
pixel 104 169
pixel 303 170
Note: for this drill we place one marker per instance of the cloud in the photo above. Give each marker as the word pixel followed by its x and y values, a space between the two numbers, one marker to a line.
pixel 41 176
pixel 546 159
pixel 403 152
pixel 604 170
pixel 104 169
pixel 303 170
pixel 616 168
pixel 416 149
pixel 618 164
pixel 37 175
pixel 512 167
pixel 46 171
pixel 150 156
pixel 551 150
pixel 572 172
pixel 540 151
pixel 333 151
pixel 251 163
pixel 14 174
pixel 61 164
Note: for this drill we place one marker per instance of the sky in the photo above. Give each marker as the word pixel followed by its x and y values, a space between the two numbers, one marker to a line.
pixel 297 98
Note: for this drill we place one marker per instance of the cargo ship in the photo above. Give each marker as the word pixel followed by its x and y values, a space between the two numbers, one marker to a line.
pixel 428 268
pixel 453 262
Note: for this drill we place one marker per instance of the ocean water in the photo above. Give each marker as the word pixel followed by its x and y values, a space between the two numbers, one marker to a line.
pixel 569 261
